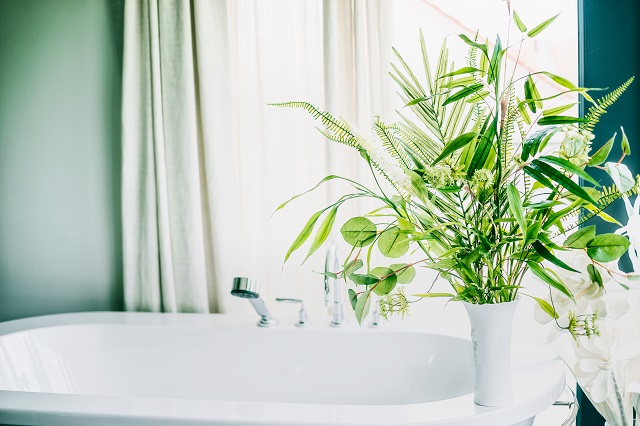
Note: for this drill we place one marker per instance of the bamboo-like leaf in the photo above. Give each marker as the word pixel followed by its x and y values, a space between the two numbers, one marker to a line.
pixel 557 110
pixel 330 177
pixel 521 26
pixel 560 119
pixel 539 177
pixel 515 206
pixel 455 145
pixel 463 70
pixel 537 142
pixel 523 112
pixel 427 295
pixel 626 148
pixel 546 307
pixel 569 167
pixel 484 147
pixel 481 46
pixel 562 179
pixel 323 231
pixel 542 251
pixel 496 60
pixel 304 235
pixel 463 93
pixel 540 27
pixel 602 154
pixel 549 279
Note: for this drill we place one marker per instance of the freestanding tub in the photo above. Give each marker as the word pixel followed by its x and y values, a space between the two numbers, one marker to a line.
pixel 187 369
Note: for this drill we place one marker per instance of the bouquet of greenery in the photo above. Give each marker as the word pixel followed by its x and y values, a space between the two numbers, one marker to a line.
pixel 473 187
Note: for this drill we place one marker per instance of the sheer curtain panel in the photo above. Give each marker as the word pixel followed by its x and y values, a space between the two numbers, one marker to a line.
pixel 206 161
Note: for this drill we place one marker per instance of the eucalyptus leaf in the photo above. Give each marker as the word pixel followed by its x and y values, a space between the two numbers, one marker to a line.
pixel 594 274
pixel 602 154
pixel 621 176
pixel 607 247
pixel 353 266
pixel 353 298
pixel 404 272
pixel 359 231
pixel 581 238
pixel 388 280
pixel 393 242
pixel 363 304
pixel 367 279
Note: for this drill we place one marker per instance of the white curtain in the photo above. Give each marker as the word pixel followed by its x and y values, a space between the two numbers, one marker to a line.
pixel 206 161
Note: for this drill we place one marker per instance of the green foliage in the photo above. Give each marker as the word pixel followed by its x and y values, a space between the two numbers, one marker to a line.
pixel 479 195
pixel 601 105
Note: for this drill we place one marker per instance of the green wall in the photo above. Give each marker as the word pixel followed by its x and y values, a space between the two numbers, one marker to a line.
pixel 59 157
pixel 609 53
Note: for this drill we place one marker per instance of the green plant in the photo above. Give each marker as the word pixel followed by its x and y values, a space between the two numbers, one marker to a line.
pixel 477 192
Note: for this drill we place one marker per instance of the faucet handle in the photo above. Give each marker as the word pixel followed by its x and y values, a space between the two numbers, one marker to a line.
pixel 303 318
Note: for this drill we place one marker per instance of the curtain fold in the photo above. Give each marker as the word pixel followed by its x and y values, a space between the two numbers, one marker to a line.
pixel 206 161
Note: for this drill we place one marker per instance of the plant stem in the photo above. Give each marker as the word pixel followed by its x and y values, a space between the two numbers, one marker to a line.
pixel 623 414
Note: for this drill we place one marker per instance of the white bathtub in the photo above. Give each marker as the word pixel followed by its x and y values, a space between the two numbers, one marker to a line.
pixel 186 369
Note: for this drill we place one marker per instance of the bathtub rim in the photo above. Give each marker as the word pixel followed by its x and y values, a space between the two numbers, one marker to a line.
pixel 20 406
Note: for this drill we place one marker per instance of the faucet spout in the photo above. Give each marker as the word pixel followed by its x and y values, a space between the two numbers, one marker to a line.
pixel 247 288
pixel 333 287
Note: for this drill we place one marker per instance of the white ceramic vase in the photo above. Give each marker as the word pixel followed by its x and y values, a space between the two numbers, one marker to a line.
pixel 491 326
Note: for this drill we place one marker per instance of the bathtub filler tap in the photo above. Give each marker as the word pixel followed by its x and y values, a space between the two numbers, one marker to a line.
pixel 247 288
pixel 333 287
pixel 303 318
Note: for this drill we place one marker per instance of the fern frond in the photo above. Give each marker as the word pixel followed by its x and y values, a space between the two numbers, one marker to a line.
pixel 508 128
pixel 335 129
pixel 416 140
pixel 392 144
pixel 601 105
pixel 607 197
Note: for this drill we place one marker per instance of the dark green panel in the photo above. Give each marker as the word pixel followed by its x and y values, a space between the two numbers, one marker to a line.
pixel 609 53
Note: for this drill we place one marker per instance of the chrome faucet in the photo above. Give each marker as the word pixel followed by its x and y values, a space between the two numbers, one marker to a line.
pixel 247 288
pixel 333 287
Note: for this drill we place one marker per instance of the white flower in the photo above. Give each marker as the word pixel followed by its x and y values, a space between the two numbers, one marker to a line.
pixel 632 231
pixel 594 364
pixel 576 145
pixel 588 294
pixel 381 157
